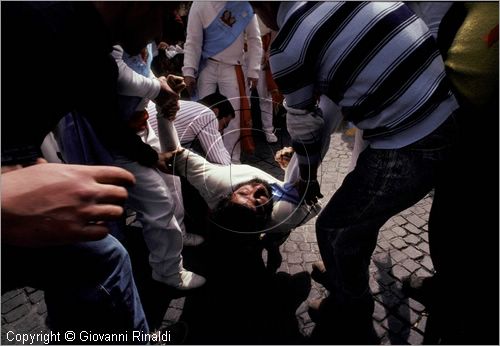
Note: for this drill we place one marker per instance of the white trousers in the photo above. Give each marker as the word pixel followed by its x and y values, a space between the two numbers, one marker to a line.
pixel 266 103
pixel 224 76
pixel 151 198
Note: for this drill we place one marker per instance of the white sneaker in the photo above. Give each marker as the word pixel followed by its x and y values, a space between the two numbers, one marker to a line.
pixel 191 239
pixel 185 280
pixel 271 137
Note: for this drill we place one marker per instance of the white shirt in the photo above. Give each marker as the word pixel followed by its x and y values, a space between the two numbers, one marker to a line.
pixel 201 14
pixel 214 182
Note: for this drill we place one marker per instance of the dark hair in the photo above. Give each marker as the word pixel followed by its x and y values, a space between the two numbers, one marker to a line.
pixel 240 218
pixel 217 100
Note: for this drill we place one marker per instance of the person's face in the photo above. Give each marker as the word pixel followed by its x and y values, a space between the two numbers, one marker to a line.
pixel 223 123
pixel 254 195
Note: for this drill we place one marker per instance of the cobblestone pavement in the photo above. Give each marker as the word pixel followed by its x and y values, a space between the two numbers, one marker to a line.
pixel 402 249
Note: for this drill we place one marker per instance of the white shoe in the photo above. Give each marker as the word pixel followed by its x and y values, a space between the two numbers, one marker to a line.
pixel 271 137
pixel 191 239
pixel 185 280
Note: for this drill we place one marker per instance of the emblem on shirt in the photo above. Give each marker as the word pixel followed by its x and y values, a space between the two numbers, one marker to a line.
pixel 228 18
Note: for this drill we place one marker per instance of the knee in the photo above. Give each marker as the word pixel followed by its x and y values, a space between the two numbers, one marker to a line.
pixel 112 255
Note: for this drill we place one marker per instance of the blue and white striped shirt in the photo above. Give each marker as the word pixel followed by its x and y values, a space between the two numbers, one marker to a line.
pixel 376 60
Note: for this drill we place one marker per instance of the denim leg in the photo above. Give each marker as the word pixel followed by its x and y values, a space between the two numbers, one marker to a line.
pixel 88 286
pixel 383 183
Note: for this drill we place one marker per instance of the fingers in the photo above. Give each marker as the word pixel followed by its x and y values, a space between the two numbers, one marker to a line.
pixel 111 175
pixel 93 232
pixel 103 212
pixel 111 194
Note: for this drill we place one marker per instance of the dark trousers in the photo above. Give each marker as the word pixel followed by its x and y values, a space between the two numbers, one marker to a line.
pixel 88 286
pixel 384 183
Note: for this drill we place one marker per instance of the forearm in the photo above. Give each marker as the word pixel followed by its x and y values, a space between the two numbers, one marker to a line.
pixel 131 83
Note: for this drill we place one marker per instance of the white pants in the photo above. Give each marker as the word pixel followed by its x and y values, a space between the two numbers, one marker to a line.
pixel 151 199
pixel 266 103
pixel 224 76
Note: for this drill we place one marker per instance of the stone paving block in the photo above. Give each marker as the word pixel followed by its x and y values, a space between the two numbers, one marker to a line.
pixel 379 329
pixel 398 243
pixel 423 273
pixel 310 237
pixel 412 239
pixel 384 244
pixel 295 269
pixel 379 312
pixel 427 262
pixel 36 296
pixel 290 247
pixel 30 322
pixel 415 338
pixel 315 248
pixel 30 289
pixel 418 210
pixel 416 220
pixel 294 258
pixel 399 272
pixel 177 303
pixel 14 302
pixel 310 257
pixel 375 287
pixel 410 265
pixel 424 247
pixel 388 234
pixel 398 256
pixel 416 306
pixel 10 294
pixel 412 229
pixel 425 235
pixel 412 252
pixel 296 236
pixel 16 313
pixel 304 247
pixel 41 308
pixel 422 324
pixel 400 231
pixel 173 315
pixel 399 220
pixel 382 260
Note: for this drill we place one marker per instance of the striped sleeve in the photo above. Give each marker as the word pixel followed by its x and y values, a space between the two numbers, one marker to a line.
pixel 197 122
pixel 377 60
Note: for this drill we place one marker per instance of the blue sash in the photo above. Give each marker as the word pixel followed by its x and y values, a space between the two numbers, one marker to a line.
pixel 225 29
pixel 286 193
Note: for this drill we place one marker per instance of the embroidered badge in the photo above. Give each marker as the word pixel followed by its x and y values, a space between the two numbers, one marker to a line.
pixel 228 18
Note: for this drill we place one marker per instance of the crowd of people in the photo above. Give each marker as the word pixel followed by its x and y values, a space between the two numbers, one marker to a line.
pixel 105 135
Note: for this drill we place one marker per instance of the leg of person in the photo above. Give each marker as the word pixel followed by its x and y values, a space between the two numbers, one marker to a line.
pixel 228 86
pixel 383 183
pixel 88 286
pixel 152 201
pixel 174 185
pixel 266 108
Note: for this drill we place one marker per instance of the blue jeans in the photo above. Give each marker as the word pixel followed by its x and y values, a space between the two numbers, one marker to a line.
pixel 88 285
pixel 384 183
